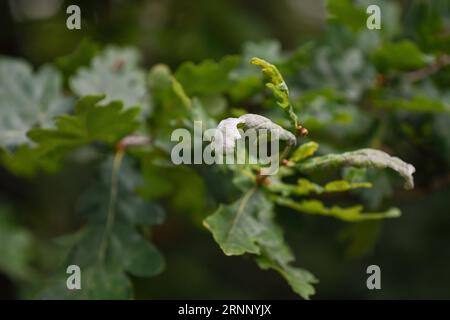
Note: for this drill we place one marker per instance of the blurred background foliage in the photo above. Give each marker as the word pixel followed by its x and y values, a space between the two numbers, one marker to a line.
pixel 351 87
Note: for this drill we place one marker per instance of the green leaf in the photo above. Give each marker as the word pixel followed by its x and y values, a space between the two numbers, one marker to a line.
pixel 416 104
pixel 278 86
pixel 81 57
pixel 350 214
pixel 304 151
pixel 303 187
pixel 115 74
pixel 109 246
pixel 306 187
pixel 137 256
pixel 172 105
pixel 130 209
pixel 90 123
pixel 27 99
pixel 402 55
pixel 25 161
pixel 344 185
pixel 361 237
pixel 300 280
pixel 346 13
pixel 368 158
pixel 17 247
pixel 164 87
pixel 237 228
pixel 248 226
pixel 208 77
pixel 98 282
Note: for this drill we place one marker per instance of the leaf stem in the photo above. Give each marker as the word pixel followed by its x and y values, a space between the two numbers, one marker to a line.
pixel 112 201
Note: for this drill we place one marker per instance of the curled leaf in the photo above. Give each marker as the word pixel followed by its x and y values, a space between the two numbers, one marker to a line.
pixel 361 158
pixel 229 132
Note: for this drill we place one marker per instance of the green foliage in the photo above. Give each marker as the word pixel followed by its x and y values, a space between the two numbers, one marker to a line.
pixel 416 104
pixel 403 55
pixel 248 226
pixel 89 123
pixel 81 57
pixel 353 89
pixel 350 214
pixel 17 244
pixel 208 77
pixel 109 245
pixel 278 86
pixel 304 151
pixel 346 12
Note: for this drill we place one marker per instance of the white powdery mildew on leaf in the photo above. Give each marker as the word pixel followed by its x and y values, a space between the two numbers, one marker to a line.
pixel 116 74
pixel 228 132
pixel 28 99
pixel 362 158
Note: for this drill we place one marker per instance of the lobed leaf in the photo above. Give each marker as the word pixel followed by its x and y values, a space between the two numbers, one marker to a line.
pixel 350 214
pixel 115 74
pixel 208 77
pixel 248 226
pixel 370 158
pixel 90 123
pixel 28 99
pixel 278 86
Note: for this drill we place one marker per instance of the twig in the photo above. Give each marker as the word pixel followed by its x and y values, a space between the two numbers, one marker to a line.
pixel 440 62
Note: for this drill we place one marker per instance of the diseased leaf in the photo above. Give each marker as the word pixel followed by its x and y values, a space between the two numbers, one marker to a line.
pixel 369 158
pixel 115 74
pixel 28 99
pixel 350 214
pixel 229 132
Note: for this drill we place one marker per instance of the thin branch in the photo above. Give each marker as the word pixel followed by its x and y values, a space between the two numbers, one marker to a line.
pixel 440 62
